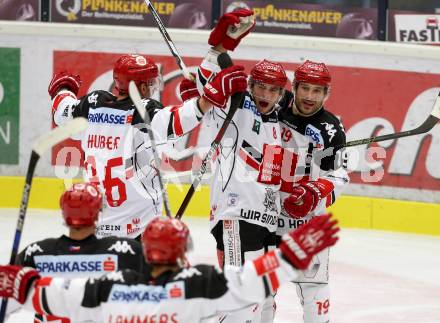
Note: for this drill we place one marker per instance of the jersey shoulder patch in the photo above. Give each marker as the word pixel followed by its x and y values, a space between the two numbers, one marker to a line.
pixel 122 245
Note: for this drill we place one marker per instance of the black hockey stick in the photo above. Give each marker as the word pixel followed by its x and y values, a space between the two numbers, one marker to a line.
pixel 426 126
pixel 137 100
pixel 236 101
pixel 42 144
pixel 169 42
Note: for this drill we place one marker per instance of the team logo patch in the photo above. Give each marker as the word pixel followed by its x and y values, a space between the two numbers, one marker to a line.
pixel 134 226
pixel 232 199
pixel 256 127
pixel 270 201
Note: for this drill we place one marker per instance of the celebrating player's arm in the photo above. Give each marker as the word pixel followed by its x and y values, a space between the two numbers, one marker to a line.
pixel 169 293
pixel 316 175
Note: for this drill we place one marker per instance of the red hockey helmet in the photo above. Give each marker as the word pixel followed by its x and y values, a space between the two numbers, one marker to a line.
pixel 137 68
pixel 165 240
pixel 314 73
pixel 80 205
pixel 269 72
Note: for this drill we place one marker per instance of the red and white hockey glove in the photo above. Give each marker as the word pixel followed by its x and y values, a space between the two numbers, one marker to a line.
pixel 300 245
pixel 305 197
pixel 231 28
pixel 64 80
pixel 15 281
pixel 227 82
pixel 188 89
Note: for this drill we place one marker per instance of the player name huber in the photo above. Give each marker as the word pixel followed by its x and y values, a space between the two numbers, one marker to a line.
pixel 103 142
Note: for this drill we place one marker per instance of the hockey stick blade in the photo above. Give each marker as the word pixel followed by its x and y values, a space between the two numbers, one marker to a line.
pixel 169 42
pixel 59 134
pixel 426 126
pixel 40 146
pixel 224 61
pixel 137 100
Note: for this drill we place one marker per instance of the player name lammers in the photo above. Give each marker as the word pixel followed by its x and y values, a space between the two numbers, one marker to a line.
pixel 295 15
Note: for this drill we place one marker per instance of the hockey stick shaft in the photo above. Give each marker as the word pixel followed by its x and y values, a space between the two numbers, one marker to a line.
pixel 236 100
pixel 137 100
pixel 169 42
pixel 426 126
pixel 41 145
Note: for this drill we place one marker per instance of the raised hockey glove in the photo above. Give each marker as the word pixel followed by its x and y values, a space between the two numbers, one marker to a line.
pixel 305 197
pixel 64 80
pixel 227 82
pixel 188 89
pixel 300 245
pixel 15 281
pixel 231 28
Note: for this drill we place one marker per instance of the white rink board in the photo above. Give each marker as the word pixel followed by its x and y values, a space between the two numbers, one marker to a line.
pixel 375 276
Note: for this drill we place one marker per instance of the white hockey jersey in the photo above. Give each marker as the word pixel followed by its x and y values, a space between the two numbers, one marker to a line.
pixel 188 295
pixel 118 154
pixel 304 139
pixel 245 179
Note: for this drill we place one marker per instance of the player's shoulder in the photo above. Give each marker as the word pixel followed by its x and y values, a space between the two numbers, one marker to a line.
pixel 331 127
pixel 121 245
pixel 41 246
pixel 202 281
pixel 98 290
pixel 151 106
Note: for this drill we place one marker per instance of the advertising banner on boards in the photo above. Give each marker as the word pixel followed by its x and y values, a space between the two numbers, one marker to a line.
pixel 193 14
pixel 380 102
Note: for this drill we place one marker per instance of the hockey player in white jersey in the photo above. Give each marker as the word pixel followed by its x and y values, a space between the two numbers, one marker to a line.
pixel 244 199
pixel 117 150
pixel 310 183
pixel 80 253
pixel 169 293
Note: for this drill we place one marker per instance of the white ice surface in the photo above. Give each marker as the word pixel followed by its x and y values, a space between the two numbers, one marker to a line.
pixel 376 276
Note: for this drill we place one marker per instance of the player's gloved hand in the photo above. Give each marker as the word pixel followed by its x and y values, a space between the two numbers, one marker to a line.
pixel 64 80
pixel 188 89
pixel 231 28
pixel 227 82
pixel 300 245
pixel 305 197
pixel 15 281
